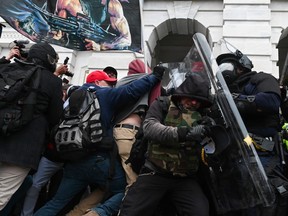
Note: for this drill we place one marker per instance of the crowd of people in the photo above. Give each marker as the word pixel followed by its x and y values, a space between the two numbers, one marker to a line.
pixel 171 181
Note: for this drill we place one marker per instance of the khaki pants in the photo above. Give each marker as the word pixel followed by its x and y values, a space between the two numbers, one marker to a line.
pixel 125 138
pixel 11 178
pixel 94 198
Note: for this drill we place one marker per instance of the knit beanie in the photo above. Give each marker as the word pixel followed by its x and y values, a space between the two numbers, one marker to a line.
pixel 137 66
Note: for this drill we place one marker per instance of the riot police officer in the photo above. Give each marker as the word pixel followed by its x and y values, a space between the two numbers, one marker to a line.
pixel 257 97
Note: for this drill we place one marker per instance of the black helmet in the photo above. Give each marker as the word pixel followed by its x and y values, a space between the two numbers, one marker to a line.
pixel 237 57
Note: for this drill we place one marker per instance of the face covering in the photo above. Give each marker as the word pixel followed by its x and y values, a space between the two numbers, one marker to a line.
pixel 228 72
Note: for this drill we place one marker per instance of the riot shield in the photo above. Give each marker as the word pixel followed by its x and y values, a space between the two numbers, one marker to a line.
pixel 237 179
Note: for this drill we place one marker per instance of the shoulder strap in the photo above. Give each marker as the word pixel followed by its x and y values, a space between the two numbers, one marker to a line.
pixel 33 86
pixel 76 100
pixel 165 101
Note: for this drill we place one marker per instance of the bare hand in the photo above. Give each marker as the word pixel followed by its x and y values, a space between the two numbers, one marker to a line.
pixel 91 45
pixel 13 53
pixel 62 69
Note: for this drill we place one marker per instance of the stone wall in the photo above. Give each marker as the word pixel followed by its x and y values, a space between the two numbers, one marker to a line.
pixel 253 26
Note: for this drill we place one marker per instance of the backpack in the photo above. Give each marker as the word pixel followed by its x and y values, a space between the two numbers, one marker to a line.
pixel 19 83
pixel 139 148
pixel 80 130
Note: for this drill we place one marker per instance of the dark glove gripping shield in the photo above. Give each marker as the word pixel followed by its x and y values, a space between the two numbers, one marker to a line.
pixel 217 141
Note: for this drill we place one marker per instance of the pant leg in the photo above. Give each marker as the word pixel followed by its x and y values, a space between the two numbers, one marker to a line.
pixel 144 195
pixel 93 199
pixel 93 169
pixel 125 138
pixel 46 169
pixel 68 188
pixel 189 198
pixel 17 196
pixel 11 178
pixel 115 186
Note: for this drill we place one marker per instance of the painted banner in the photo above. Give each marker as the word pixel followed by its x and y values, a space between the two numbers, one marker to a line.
pixel 77 24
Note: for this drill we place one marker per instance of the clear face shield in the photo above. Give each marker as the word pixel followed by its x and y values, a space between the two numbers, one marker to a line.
pixel 174 76
pixel 177 72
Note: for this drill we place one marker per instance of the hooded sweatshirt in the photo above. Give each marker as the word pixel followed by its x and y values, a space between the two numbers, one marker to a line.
pixel 167 152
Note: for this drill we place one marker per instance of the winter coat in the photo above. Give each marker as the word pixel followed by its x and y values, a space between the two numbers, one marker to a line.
pixel 24 148
pixel 141 104
pixel 112 100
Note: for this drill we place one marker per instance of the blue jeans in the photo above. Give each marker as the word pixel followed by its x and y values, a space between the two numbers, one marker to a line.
pixel 78 175
pixel 46 169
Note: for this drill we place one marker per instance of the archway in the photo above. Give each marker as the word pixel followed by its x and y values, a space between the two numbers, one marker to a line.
pixel 171 40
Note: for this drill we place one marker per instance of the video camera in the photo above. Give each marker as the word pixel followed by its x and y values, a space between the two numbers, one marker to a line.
pixel 20 44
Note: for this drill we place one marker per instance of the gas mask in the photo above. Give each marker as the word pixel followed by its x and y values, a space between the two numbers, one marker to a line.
pixel 229 72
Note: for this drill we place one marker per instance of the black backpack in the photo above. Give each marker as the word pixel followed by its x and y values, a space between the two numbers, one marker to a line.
pixel 19 83
pixel 80 130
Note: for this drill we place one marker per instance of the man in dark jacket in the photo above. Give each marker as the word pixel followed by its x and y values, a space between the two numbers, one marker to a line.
pixel 95 168
pixel 127 125
pixel 257 97
pixel 170 170
pixel 21 152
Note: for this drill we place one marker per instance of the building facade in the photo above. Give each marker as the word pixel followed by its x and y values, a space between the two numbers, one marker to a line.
pixel 253 26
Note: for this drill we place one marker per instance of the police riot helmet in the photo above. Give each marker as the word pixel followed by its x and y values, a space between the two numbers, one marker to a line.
pixel 238 57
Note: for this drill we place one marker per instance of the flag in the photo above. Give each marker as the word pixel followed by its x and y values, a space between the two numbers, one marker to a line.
pixel 83 25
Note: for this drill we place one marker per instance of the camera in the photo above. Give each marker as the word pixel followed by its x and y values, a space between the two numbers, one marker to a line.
pixel 68 73
pixel 20 44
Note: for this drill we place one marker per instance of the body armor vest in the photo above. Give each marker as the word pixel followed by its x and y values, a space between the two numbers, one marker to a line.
pixel 180 159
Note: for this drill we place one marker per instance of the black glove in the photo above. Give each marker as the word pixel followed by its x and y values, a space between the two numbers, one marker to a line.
pixel 197 133
pixel 158 71
pixel 206 120
pixel 247 106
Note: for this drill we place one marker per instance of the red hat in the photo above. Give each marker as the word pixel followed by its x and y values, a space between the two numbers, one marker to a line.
pixel 98 76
